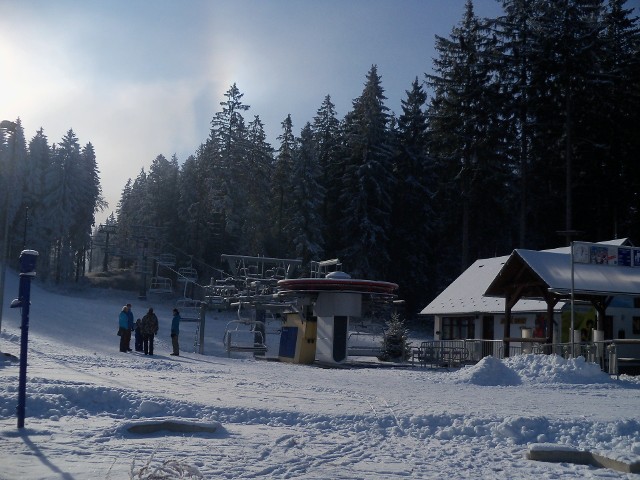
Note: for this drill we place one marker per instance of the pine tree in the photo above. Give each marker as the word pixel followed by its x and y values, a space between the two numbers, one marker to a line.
pixel 614 127
pixel 63 205
pixel 37 229
pixel 162 190
pixel 226 152
pixel 396 345
pixel 465 140
pixel 304 210
pixel 515 62
pixel 367 183
pixel 89 200
pixel 565 87
pixel 196 233
pixel 281 187
pixel 256 231
pixel 13 156
pixel 328 139
pixel 124 223
pixel 413 219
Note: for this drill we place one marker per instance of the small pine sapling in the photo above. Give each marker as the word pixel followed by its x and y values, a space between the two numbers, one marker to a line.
pixel 396 344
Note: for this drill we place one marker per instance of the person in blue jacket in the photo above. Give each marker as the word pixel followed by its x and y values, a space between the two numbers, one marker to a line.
pixel 175 331
pixel 123 329
pixel 131 326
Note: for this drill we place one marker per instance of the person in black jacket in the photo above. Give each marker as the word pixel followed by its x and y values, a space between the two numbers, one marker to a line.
pixel 175 331
pixel 149 329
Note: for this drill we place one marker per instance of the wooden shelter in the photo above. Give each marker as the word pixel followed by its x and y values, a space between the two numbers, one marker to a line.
pixel 557 276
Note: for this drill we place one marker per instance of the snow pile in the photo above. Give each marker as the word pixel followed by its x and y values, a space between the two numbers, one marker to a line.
pixel 489 372
pixel 535 369
pixel 555 369
pixel 210 416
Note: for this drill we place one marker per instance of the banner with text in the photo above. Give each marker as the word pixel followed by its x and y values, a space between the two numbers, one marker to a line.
pixel 599 254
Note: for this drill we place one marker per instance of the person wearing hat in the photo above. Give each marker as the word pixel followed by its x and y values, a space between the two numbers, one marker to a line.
pixel 175 331
pixel 149 329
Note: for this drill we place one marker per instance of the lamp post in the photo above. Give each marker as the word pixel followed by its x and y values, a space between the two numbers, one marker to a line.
pixel 9 127
pixel 27 272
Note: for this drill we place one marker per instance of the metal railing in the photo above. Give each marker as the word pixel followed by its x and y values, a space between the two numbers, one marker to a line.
pixel 454 353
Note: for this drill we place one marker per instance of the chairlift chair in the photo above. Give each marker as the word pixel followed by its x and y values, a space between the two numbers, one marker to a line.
pixel 187 275
pixel 244 335
pixel 166 259
pixel 160 285
pixel 366 340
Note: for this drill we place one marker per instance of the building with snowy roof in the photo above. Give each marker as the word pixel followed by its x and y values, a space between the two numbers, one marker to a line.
pixel 539 293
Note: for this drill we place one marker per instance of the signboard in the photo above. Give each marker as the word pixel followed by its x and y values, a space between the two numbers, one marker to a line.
pixel 624 256
pixel 599 254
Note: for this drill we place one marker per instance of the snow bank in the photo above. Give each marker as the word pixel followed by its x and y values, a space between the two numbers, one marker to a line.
pixel 278 420
pixel 555 369
pixel 533 369
pixel 489 372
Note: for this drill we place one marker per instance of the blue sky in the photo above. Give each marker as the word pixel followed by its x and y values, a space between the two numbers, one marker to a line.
pixel 139 78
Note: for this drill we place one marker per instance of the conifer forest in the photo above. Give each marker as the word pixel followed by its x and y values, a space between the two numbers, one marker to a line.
pixel 525 134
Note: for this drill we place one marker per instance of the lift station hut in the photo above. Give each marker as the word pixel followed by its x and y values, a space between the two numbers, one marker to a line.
pixel 317 328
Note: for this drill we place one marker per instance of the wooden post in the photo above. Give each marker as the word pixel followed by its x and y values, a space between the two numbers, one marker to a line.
pixel 203 310
pixel 507 325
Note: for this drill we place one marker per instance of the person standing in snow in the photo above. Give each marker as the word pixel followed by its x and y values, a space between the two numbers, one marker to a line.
pixel 130 326
pixel 138 335
pixel 175 331
pixel 149 330
pixel 123 330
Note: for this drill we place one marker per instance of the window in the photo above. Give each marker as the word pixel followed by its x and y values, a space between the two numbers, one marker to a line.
pixel 636 325
pixel 458 328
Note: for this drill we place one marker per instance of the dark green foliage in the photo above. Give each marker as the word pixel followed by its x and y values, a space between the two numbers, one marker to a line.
pixel 413 220
pixel 528 125
pixel 282 188
pixel 396 346
pixel 367 183
pixel 327 135
pixel 466 141
pixel 53 193
pixel 307 195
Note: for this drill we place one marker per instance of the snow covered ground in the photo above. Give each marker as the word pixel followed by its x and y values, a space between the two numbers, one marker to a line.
pixel 277 420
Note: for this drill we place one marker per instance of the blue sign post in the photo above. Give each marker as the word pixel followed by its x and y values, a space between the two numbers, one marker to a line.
pixel 27 272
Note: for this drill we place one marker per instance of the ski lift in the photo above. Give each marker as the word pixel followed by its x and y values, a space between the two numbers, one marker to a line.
pixel 161 285
pixel 324 267
pixel 189 309
pixel 366 340
pixel 187 274
pixel 166 259
pixel 244 335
